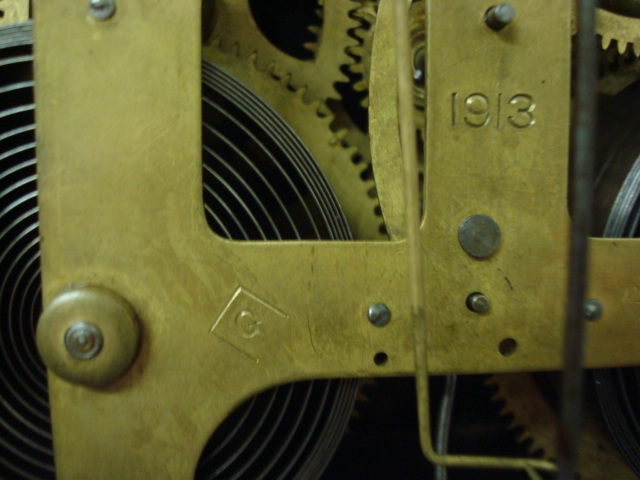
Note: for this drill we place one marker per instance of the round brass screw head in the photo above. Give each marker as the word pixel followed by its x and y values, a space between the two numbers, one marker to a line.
pixel 379 314
pixel 478 303
pixel 593 310
pixel 102 9
pixel 88 336
pixel 499 16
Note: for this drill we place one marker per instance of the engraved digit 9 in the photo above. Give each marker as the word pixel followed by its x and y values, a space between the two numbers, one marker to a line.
pixel 476 109
pixel 523 116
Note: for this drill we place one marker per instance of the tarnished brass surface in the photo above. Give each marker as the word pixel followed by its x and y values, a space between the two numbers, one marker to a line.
pixel 121 207
pixel 613 280
pixel 200 356
pixel 497 144
pixel 480 239
pixel 13 11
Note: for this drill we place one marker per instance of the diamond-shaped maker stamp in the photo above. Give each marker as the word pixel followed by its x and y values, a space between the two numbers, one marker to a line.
pixel 246 320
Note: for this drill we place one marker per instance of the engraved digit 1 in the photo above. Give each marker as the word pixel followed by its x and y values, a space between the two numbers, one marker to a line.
pixel 477 110
pixel 454 108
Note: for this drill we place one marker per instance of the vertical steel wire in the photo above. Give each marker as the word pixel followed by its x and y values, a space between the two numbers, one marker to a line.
pixel 582 177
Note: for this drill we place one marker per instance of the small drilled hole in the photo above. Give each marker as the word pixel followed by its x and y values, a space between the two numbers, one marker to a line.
pixel 1 13
pixel 380 358
pixel 508 347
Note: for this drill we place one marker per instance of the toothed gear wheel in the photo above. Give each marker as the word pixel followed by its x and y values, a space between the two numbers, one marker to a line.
pixel 366 14
pixel 311 121
pixel 624 30
pixel 617 71
pixel 538 422
pixel 236 27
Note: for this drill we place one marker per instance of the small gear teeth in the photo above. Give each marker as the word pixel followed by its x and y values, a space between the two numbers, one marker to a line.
pixel 235 25
pixel 356 68
pixel 519 395
pixel 357 50
pixel 269 69
pixel 621 47
pixel 315 29
pixel 366 15
pixel 367 12
pixel 360 34
pixel 605 41
pixel 234 49
pixel 285 81
pixel 340 135
pixel 360 86
pixel 530 412
pixel 633 47
pixel 625 31
pixel 311 46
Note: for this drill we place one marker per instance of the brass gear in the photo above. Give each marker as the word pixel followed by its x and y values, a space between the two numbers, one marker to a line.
pixel 624 30
pixel 366 14
pixel 610 26
pixel 236 27
pixel 311 121
pixel 619 37
pixel 539 423
pixel 617 70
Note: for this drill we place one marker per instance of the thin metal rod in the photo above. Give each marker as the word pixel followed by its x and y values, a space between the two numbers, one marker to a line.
pixel 410 154
pixel 444 423
pixel 582 174
pixel 414 255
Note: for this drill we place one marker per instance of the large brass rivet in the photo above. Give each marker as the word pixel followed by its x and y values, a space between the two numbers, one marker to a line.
pixel 479 236
pixel 88 336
